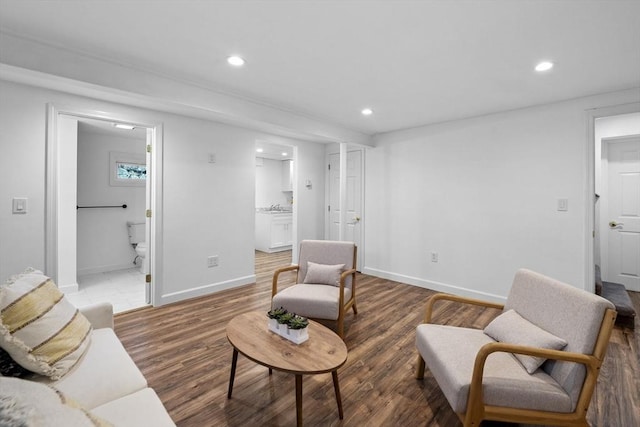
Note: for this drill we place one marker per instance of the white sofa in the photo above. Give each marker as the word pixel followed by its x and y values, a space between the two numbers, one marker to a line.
pixel 107 382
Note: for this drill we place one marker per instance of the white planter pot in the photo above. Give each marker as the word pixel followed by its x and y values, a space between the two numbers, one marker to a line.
pixel 298 336
pixel 274 326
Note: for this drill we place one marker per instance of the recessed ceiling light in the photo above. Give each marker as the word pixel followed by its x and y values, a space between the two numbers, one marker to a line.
pixel 367 112
pixel 259 150
pixel 284 153
pixel 236 61
pixel 544 66
pixel 124 126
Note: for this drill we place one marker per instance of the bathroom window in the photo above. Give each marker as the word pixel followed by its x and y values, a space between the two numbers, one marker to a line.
pixel 127 169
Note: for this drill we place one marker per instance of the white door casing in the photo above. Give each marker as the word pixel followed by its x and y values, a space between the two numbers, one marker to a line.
pixel 61 174
pixel 621 235
pixel 353 229
pixel 147 225
pixel 67 192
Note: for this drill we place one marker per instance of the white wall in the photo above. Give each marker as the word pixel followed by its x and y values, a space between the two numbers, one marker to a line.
pixel 483 194
pixel 269 184
pixel 208 208
pixel 103 242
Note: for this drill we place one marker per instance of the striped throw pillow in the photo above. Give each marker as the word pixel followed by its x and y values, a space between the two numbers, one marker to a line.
pixel 39 328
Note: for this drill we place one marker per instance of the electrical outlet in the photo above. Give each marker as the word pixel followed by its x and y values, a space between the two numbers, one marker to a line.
pixel 212 261
pixel 434 256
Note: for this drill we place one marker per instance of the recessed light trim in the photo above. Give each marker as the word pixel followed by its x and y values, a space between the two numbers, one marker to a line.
pixel 367 111
pixel 544 66
pixel 236 61
pixel 259 150
pixel 284 153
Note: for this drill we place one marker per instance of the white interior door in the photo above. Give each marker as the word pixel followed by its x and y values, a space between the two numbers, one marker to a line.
pixel 353 231
pixel 623 197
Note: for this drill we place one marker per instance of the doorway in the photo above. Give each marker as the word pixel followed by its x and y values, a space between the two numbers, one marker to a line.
pixel 275 194
pixel 619 211
pixel 617 197
pixel 71 210
pixel 354 200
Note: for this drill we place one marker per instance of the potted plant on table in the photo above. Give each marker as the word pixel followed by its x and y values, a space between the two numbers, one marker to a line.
pixel 288 325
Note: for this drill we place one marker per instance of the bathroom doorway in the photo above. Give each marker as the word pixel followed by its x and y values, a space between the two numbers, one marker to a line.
pixel 111 237
pixel 90 254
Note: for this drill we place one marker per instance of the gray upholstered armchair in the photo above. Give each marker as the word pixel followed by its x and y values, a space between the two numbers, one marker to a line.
pixel 325 284
pixel 536 363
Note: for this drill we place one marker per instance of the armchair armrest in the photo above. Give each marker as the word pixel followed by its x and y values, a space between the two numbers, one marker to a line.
pixel 464 300
pixel 343 277
pixel 276 274
pixel 99 315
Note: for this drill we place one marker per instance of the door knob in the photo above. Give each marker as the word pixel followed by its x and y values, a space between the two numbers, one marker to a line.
pixel 613 224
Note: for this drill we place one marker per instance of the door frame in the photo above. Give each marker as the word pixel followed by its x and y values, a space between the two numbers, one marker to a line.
pixel 590 185
pixel 52 190
pixel 604 199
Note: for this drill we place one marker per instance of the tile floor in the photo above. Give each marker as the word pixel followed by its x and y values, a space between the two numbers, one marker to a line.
pixel 122 288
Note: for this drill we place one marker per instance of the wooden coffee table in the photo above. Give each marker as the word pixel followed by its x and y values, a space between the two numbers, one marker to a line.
pixel 323 352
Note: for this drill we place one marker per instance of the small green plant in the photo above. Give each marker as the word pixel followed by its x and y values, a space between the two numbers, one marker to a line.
pixel 285 318
pixel 276 313
pixel 297 322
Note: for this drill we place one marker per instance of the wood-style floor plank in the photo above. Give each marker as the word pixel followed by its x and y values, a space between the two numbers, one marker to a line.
pixel 183 352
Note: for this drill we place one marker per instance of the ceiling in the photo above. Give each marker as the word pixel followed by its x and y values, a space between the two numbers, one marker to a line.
pixel 412 62
pixel 108 128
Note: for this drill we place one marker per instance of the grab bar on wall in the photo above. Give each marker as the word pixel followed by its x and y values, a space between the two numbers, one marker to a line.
pixel 94 207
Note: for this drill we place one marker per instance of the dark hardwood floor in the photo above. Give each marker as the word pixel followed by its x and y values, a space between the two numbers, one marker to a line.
pixel 184 354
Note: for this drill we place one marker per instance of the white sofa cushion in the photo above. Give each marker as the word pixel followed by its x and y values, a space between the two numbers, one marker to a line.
pixel 505 381
pixel 140 409
pixel 316 301
pixel 27 403
pixel 105 372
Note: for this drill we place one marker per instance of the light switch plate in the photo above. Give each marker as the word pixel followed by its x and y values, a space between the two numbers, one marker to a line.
pixel 19 205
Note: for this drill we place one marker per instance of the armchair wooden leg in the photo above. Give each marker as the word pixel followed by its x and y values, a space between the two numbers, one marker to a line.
pixel 355 310
pixel 419 368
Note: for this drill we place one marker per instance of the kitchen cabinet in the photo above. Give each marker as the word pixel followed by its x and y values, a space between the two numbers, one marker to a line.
pixel 274 231
pixel 287 175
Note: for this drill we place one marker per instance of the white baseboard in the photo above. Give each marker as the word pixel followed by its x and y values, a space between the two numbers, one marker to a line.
pixel 206 289
pixel 69 289
pixel 435 286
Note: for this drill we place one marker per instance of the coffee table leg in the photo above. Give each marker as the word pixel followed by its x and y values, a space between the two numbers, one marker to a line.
pixel 336 387
pixel 299 400
pixel 234 361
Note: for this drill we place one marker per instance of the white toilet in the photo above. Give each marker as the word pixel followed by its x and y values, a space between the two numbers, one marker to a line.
pixel 137 239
